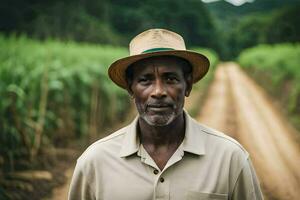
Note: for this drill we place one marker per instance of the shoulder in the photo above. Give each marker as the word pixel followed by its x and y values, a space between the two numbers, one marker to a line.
pixel 225 141
pixel 217 142
pixel 110 144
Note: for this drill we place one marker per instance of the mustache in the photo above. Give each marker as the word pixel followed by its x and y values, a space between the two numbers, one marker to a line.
pixel 159 103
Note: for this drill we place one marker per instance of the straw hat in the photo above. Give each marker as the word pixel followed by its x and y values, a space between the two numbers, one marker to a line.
pixel 157 42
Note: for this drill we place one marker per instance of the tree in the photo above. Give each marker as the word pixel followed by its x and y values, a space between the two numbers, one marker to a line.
pixel 284 26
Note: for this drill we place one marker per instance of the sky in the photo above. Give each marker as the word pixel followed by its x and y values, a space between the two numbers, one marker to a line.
pixel 233 2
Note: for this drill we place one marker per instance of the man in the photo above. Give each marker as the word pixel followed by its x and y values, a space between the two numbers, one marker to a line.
pixel 163 153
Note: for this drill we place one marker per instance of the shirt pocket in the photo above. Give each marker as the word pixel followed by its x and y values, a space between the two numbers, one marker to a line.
pixel 193 195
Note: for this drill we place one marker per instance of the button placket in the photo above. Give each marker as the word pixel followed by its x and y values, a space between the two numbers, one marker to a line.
pixel 162 190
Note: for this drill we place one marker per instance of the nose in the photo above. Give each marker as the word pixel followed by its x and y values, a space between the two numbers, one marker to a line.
pixel 159 90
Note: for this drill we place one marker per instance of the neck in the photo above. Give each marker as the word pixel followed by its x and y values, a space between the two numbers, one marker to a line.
pixel 158 136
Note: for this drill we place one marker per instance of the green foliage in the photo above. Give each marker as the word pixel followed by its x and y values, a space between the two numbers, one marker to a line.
pixel 210 54
pixel 278 26
pixel 263 21
pixel 61 88
pixel 218 25
pixel 276 67
pixel 189 19
pixel 65 20
pixel 109 22
pixel 249 32
pixel 284 25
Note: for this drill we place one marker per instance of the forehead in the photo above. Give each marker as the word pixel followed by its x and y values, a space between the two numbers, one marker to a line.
pixel 162 63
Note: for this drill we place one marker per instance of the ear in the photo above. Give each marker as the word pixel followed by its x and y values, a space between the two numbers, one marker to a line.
pixel 129 90
pixel 189 84
pixel 128 87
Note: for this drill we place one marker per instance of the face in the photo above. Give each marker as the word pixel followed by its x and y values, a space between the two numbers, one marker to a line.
pixel 159 88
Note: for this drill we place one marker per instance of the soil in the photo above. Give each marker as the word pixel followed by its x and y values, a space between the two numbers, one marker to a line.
pixel 61 193
pixel 37 182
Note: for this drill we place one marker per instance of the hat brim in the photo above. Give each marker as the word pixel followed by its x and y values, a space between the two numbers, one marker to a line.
pixel 199 63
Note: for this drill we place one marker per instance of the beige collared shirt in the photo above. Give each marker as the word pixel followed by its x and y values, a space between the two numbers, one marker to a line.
pixel 207 165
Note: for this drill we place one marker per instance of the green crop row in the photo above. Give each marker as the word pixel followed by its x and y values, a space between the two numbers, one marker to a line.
pixel 52 92
pixel 276 67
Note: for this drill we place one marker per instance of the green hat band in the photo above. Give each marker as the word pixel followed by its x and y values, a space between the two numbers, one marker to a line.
pixel 157 49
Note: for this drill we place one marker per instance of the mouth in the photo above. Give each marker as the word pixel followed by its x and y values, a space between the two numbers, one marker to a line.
pixel 159 107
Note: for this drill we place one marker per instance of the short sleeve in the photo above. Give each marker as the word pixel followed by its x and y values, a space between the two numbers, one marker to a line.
pixel 247 185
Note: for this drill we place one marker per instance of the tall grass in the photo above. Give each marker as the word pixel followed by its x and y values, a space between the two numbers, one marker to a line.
pixel 52 92
pixel 276 67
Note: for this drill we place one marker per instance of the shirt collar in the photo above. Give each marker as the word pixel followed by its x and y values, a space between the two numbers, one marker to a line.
pixel 194 140
pixel 131 141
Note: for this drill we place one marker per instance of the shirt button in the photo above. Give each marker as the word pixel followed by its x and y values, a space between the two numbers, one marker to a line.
pixel 155 171
pixel 161 179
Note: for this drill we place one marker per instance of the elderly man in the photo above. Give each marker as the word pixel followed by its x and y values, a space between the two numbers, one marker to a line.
pixel 163 153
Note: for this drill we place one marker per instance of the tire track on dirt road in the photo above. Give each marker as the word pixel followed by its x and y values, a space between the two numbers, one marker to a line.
pixel 217 107
pixel 258 125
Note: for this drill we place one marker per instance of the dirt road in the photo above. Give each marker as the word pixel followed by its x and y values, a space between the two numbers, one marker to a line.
pixel 238 106
pixel 61 193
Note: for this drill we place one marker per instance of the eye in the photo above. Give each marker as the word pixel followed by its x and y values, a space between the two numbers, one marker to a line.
pixel 143 80
pixel 172 79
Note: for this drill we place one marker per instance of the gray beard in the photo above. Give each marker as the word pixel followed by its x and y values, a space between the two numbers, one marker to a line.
pixel 159 120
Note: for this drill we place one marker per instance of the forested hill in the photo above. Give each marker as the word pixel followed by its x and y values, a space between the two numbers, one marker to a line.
pixel 220 26
pixel 108 21
pixel 262 21
pixel 223 10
